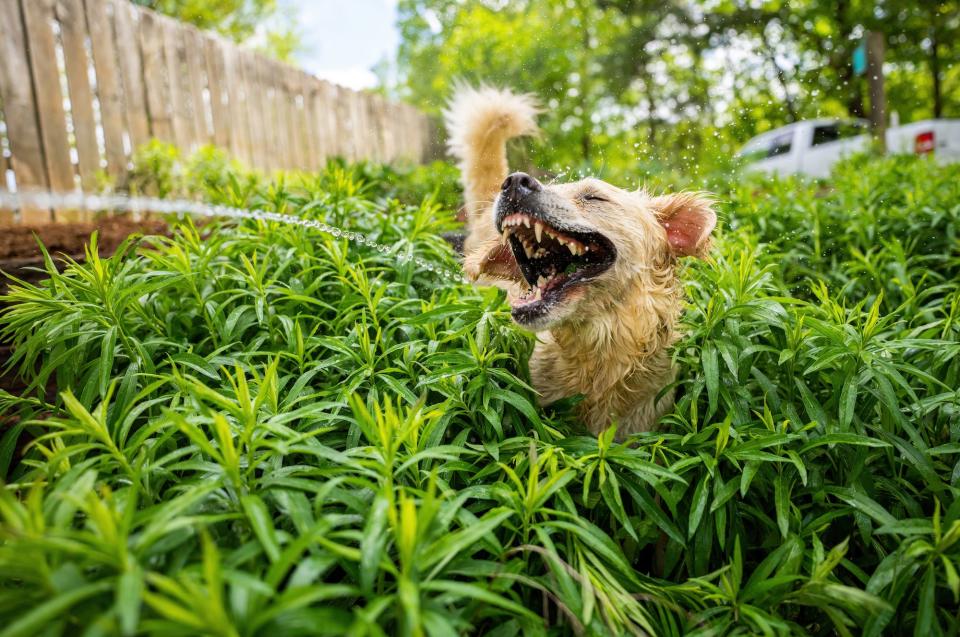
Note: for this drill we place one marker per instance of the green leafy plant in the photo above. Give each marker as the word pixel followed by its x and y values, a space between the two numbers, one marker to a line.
pixel 249 428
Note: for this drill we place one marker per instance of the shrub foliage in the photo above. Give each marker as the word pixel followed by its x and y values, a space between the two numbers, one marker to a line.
pixel 252 429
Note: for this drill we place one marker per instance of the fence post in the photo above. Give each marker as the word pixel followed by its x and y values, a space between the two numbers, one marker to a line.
pixel 20 110
pixel 103 47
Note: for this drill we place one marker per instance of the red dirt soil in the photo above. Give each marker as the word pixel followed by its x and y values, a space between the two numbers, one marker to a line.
pixel 18 245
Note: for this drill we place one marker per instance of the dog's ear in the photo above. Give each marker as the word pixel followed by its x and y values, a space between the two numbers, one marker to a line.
pixel 688 219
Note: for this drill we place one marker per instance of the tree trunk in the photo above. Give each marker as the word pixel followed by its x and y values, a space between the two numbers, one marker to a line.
pixel 651 110
pixel 876 46
pixel 935 65
pixel 585 126
pixel 781 76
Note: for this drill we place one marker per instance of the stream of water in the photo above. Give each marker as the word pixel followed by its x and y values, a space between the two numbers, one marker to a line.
pixel 122 203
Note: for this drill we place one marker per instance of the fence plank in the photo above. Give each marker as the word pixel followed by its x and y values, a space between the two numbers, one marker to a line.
pixel 328 120
pixel 333 122
pixel 219 107
pixel 307 87
pixel 20 108
pixel 6 216
pixel 73 33
pixel 319 123
pixel 216 82
pixel 38 16
pixel 238 112
pixel 154 76
pixel 308 139
pixel 360 129
pixel 375 116
pixel 297 135
pixel 132 71
pixel 179 99
pixel 289 108
pixel 282 144
pixel 413 121
pixel 102 45
pixel 282 150
pixel 196 78
pixel 4 161
pixel 265 100
pixel 344 123
pixel 259 105
pixel 319 107
pixel 383 112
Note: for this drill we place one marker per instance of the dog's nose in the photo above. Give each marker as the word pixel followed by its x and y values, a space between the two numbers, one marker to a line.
pixel 519 185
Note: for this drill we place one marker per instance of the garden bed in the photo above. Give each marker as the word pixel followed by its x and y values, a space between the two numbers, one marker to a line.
pixel 265 430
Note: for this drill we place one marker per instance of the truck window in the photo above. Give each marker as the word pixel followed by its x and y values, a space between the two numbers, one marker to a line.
pixel 834 132
pixel 825 134
pixel 780 145
pixel 765 146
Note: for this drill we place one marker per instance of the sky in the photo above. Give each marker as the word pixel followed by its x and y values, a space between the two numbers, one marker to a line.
pixel 343 39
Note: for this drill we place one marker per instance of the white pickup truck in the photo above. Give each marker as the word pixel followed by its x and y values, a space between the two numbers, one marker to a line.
pixel 812 147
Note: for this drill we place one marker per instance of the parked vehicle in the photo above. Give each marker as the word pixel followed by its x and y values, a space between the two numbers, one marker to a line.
pixel 812 147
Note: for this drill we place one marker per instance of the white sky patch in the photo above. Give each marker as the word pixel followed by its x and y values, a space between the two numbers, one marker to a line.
pixel 344 39
pixel 356 77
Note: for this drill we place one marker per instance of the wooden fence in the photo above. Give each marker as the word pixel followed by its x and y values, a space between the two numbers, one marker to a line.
pixel 84 82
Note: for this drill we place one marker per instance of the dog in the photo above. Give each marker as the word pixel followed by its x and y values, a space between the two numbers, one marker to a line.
pixel 589 267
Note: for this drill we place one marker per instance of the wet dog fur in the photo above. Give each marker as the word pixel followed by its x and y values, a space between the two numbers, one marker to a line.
pixel 589 267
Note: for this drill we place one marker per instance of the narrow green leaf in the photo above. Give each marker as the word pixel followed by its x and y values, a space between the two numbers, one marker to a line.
pixel 698 505
pixel 262 524
pixel 781 497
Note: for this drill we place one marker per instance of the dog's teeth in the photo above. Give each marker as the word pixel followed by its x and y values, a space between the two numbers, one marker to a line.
pixel 573 248
pixel 538 294
pixel 538 230
pixel 528 249
pixel 526 221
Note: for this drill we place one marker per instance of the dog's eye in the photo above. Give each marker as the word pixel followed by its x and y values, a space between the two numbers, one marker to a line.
pixel 592 196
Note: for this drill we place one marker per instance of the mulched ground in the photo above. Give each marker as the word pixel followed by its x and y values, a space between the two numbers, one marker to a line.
pixel 17 243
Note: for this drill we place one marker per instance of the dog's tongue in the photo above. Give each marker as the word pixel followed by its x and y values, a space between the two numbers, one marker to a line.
pixel 501 264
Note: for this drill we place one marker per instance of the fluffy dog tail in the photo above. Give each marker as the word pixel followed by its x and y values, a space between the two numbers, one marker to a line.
pixel 480 121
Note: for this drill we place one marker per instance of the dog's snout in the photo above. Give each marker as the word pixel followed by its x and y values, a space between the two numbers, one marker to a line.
pixel 519 185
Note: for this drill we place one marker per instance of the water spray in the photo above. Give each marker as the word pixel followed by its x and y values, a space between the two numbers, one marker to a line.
pixel 89 202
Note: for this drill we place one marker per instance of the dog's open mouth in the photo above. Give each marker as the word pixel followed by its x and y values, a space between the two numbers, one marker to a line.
pixel 552 261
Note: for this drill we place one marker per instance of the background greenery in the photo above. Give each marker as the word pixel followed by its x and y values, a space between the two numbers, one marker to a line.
pixel 249 429
pixel 242 21
pixel 633 87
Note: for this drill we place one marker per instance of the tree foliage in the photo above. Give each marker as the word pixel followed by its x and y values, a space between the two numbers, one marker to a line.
pixel 238 20
pixel 678 82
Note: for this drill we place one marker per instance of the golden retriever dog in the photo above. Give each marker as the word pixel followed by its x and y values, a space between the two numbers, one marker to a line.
pixel 589 267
